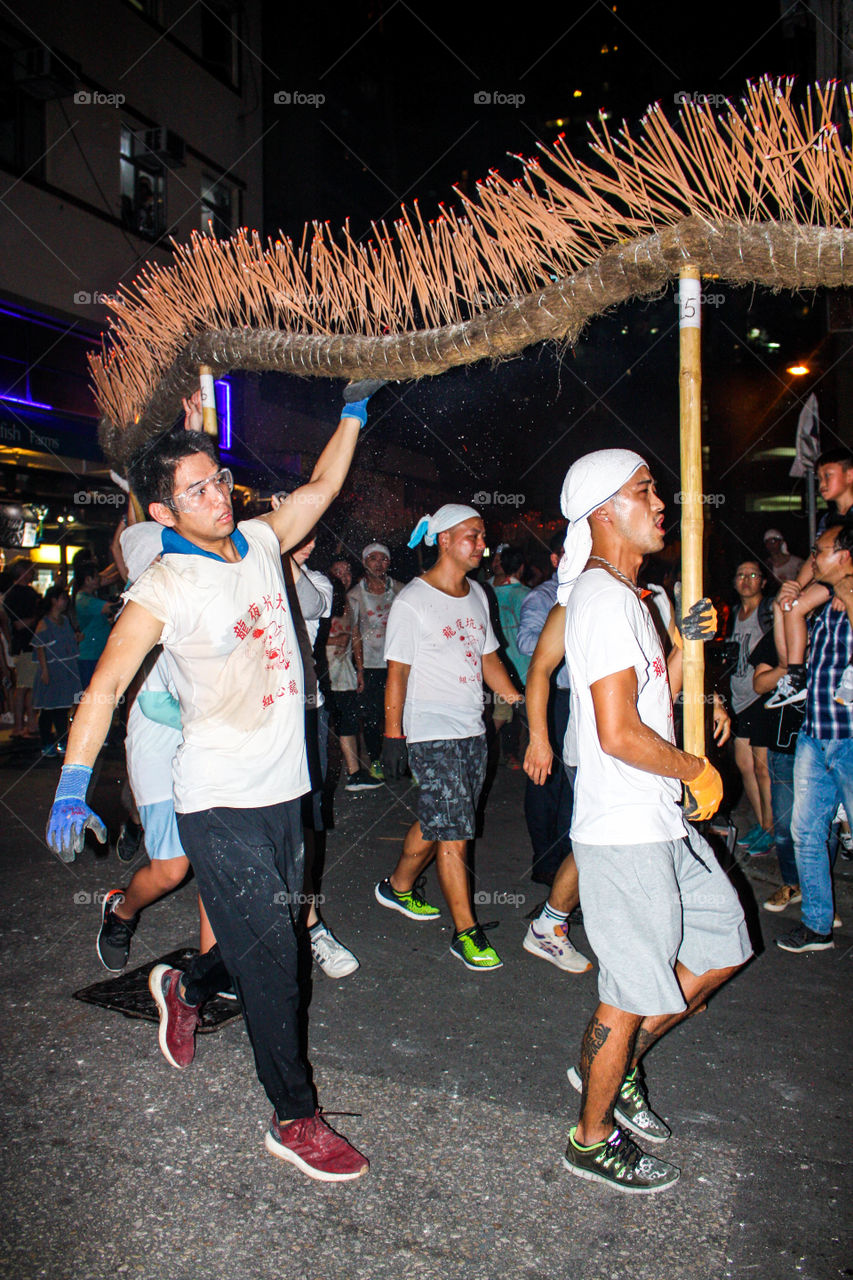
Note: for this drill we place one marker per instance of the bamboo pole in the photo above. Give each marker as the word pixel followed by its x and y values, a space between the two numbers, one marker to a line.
pixel 208 401
pixel 690 400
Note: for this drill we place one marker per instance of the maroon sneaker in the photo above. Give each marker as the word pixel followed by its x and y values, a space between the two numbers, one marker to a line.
pixel 316 1149
pixel 178 1020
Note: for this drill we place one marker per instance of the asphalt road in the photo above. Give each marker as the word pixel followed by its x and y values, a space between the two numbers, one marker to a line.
pixel 454 1085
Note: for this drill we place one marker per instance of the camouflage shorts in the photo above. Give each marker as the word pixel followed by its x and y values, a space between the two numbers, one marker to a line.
pixel 450 775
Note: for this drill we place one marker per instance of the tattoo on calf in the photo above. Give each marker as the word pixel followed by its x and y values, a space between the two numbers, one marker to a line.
pixel 593 1040
pixel 643 1041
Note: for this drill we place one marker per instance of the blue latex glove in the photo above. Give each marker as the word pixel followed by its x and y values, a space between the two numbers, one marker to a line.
pixel 71 816
pixel 161 707
pixel 356 396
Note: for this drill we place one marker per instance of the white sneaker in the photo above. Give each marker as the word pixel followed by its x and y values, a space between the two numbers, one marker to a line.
pixel 555 948
pixel 332 956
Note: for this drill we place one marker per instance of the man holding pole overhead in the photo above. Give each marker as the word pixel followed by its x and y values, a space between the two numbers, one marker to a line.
pixel 661 916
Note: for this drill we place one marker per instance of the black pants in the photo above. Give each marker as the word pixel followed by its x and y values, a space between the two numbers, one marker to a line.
pixel 248 864
pixel 372 702
pixel 548 809
pixel 53 726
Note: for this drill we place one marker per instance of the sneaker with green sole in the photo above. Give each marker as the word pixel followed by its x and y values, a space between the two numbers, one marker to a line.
pixel 619 1163
pixel 632 1107
pixel 472 947
pixel 411 904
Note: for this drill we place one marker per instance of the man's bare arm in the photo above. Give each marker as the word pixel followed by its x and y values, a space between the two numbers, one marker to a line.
pixel 135 633
pixel 623 735
pixel 395 697
pixel 301 510
pixel 547 656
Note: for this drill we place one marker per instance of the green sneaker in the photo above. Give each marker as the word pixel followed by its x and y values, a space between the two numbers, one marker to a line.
pixel 619 1163
pixel 375 771
pixel 412 904
pixel 632 1108
pixel 472 947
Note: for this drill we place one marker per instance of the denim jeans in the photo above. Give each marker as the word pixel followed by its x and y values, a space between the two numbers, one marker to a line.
pixel 823 779
pixel 781 767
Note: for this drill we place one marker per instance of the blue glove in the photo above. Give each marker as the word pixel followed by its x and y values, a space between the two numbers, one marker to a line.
pixel 160 707
pixel 70 815
pixel 356 396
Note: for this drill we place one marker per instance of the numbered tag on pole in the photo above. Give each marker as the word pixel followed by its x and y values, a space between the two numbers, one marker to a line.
pixel 208 401
pixel 689 303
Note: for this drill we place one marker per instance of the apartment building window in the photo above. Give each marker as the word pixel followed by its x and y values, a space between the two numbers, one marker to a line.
pixel 217 207
pixel 22 122
pixel 143 187
pixel 220 47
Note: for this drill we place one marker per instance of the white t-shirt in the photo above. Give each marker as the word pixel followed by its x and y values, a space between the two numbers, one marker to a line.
pixel 238 672
pixel 371 617
pixel 150 746
pixel 608 629
pixel 443 639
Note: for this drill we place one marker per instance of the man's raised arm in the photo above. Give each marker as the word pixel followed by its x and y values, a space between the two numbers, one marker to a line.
pixel 301 510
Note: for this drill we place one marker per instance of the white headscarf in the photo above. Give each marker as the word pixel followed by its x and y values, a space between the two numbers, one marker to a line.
pixel 589 482
pixel 775 533
pixel 429 527
pixel 374 546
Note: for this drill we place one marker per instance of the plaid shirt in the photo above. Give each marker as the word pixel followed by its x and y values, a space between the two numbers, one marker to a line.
pixel 830 651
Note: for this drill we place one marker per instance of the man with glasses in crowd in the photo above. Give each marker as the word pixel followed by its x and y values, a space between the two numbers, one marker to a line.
pixel 217 603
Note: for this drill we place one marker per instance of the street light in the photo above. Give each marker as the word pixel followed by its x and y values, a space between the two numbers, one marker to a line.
pixel 799 370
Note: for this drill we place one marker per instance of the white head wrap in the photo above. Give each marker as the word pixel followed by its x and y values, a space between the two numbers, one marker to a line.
pixel 774 533
pixel 429 527
pixel 589 482
pixel 374 546
pixel 140 544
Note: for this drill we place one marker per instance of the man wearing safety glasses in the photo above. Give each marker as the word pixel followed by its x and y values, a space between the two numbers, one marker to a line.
pixel 216 601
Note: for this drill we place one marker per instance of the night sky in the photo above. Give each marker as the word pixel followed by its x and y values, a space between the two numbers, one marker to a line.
pixel 400 120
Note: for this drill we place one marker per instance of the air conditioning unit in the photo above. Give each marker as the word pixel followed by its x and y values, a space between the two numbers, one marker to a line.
pixel 43 73
pixel 166 146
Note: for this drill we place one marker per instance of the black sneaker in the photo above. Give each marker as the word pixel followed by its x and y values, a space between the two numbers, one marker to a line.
pixel 361 780
pixel 619 1163
pixel 113 945
pixel 129 842
pixel 802 938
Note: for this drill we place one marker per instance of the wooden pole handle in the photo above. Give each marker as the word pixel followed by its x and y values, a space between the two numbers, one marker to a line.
pixel 690 400
pixel 208 400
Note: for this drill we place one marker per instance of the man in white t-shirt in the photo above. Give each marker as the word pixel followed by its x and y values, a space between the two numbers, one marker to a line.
pixel 370 601
pixel 440 647
pixel 216 601
pixel 659 913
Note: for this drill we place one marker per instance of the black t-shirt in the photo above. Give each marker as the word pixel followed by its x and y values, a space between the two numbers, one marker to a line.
pixel 21 603
pixel 775 727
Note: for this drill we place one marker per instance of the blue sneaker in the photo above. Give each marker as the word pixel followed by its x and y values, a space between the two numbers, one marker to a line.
pixel 763 844
pixel 752 834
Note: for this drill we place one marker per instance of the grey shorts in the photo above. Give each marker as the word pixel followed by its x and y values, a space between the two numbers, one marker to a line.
pixel 646 906
pixel 450 774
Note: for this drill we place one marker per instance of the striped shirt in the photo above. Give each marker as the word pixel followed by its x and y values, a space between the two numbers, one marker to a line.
pixel 830 651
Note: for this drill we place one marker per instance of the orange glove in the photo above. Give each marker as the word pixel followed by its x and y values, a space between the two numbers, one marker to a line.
pixel 703 795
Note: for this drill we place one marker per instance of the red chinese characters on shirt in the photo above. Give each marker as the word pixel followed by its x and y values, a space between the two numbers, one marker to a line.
pixel 658 667
pixel 265 628
pixel 472 634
